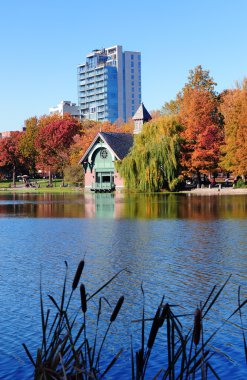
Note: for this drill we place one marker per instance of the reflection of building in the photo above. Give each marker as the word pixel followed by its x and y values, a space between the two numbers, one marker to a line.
pixel 107 148
pixel 109 84
pixel 104 205
pixel 63 107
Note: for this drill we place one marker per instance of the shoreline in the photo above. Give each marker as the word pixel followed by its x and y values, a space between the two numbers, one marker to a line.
pixel 197 191
pixel 217 191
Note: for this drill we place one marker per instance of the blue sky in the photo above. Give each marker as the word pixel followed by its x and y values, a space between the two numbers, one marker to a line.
pixel 43 41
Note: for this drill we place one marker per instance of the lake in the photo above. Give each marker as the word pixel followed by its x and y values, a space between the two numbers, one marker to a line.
pixel 178 246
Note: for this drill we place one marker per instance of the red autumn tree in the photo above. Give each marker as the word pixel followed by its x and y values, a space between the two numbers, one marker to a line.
pixel 197 107
pixel 10 156
pixel 202 131
pixel 53 141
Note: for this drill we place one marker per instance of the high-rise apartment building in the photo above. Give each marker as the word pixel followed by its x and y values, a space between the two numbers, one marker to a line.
pixel 109 84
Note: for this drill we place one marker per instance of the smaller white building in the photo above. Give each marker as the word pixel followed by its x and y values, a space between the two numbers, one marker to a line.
pixel 65 106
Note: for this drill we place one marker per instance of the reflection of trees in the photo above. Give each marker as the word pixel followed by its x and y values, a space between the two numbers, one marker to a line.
pixel 123 205
pixel 212 207
pixel 146 206
pixel 199 207
pixel 43 205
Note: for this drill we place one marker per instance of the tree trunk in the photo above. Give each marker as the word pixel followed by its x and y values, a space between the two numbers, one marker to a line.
pixel 62 178
pixel 50 179
pixel 199 181
pixel 14 183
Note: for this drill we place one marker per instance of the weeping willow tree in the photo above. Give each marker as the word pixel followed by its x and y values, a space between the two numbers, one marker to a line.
pixel 153 162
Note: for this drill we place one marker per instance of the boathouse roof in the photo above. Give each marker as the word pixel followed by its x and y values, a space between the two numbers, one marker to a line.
pixel 119 143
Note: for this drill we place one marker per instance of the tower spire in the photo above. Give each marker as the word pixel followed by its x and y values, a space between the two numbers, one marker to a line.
pixel 140 117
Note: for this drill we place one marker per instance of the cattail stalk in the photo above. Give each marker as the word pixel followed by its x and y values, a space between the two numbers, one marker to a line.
pixel 112 319
pixel 154 328
pixel 197 326
pixel 78 275
pixel 163 314
pixel 117 309
pixel 83 298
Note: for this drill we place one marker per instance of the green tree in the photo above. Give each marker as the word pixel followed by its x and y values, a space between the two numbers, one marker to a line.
pixel 171 108
pixel 153 162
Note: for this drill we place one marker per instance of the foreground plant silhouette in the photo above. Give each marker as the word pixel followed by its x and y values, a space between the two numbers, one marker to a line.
pixel 186 355
pixel 66 351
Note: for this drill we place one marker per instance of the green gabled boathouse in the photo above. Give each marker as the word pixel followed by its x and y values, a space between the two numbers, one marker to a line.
pixel 106 149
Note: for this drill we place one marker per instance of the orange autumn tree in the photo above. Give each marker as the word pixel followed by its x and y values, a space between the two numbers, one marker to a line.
pixel 89 130
pixel 234 110
pixel 202 122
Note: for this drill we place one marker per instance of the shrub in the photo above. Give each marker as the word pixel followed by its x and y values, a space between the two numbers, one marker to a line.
pixel 240 184
pixel 74 174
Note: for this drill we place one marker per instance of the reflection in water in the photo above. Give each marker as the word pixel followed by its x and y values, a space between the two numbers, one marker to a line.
pixel 119 205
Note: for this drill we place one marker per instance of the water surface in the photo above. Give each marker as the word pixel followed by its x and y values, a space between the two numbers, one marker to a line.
pixel 177 245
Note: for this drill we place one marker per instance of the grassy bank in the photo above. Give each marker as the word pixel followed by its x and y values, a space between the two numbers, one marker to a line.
pixel 40 186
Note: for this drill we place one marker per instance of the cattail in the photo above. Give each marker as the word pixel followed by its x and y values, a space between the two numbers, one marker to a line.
pixel 83 298
pixel 154 329
pixel 163 314
pixel 78 274
pixel 117 309
pixel 197 326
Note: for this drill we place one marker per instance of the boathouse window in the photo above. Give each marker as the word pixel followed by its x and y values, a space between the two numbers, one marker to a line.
pixel 106 178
